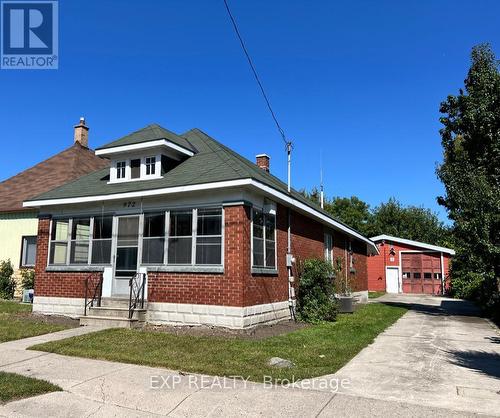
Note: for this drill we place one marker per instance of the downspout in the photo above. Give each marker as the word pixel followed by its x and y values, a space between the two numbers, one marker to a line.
pixel 289 266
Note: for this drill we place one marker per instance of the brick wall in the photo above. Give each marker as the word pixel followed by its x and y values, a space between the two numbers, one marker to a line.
pixel 237 286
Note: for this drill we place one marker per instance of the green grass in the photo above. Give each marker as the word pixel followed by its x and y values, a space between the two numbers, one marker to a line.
pixel 375 295
pixel 14 386
pixel 317 350
pixel 16 322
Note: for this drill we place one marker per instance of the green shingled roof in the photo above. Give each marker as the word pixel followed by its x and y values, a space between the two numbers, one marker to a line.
pixel 150 133
pixel 212 162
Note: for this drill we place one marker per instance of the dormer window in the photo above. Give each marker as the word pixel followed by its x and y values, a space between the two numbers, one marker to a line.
pixel 150 166
pixel 120 169
pixel 135 168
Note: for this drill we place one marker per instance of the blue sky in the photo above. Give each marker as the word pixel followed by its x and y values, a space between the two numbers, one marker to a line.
pixel 359 82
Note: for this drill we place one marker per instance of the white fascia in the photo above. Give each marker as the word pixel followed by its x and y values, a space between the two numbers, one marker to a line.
pixel 144 145
pixel 283 197
pixel 413 243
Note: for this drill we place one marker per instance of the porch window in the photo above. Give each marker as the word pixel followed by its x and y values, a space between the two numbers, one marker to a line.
pixel 180 241
pixel 80 236
pixel 101 240
pixel 59 241
pixel 153 238
pixel 264 239
pixel 209 236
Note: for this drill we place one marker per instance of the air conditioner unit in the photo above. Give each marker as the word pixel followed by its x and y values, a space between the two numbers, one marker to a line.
pixel 28 295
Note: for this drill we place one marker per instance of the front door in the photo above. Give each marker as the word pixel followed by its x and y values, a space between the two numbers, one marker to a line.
pixel 126 256
pixel 392 280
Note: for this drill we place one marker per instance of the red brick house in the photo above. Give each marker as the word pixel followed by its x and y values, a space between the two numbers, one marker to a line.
pixel 210 237
pixel 405 266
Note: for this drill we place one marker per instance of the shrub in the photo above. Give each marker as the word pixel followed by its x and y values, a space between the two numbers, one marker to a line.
pixel 27 278
pixel 7 283
pixel 315 296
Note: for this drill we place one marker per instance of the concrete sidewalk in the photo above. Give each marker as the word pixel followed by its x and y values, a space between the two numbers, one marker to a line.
pixel 439 354
pixel 107 389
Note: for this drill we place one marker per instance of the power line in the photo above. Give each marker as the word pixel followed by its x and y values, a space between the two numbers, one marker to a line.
pixel 254 71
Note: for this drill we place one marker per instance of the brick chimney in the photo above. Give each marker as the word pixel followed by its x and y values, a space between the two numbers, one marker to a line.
pixel 263 161
pixel 82 133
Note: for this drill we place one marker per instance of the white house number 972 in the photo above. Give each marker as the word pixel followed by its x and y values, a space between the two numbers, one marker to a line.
pixel 129 205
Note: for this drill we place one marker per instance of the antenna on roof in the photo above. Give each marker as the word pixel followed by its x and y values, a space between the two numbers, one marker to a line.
pixel 321 192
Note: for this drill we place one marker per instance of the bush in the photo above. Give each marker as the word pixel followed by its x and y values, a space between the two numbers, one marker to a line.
pixel 28 278
pixel 316 293
pixel 7 283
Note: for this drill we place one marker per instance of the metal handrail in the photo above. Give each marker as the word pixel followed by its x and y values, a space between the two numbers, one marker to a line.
pixel 137 286
pixel 93 290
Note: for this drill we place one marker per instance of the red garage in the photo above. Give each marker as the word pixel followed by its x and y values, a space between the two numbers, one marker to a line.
pixel 405 266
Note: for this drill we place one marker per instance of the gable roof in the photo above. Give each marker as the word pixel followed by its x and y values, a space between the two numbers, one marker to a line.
pixel 149 133
pixel 68 165
pixel 417 244
pixel 212 166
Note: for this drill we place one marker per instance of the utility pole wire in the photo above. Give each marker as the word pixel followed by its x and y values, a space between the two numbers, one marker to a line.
pixel 288 144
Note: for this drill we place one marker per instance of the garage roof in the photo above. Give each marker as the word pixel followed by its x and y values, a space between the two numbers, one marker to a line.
pixel 413 243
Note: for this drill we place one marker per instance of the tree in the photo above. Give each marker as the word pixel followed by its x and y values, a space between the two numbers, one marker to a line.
pixel 470 173
pixel 350 210
pixel 391 218
pixel 410 222
pixel 7 283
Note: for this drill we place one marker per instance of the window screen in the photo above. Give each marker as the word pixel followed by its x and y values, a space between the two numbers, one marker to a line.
pixel 209 236
pixel 153 238
pixel 181 238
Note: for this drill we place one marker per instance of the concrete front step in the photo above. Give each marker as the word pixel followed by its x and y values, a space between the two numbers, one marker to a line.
pixel 114 302
pixel 105 321
pixel 114 312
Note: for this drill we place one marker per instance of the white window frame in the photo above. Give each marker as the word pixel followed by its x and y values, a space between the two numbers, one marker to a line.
pixel 113 178
pixel 328 247
pixel 151 165
pixel 56 241
pixel 75 241
pixel 123 169
pixel 24 247
pixel 264 214
pixel 194 235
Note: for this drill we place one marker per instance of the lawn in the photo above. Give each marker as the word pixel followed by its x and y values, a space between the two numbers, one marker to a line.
pixel 375 295
pixel 14 386
pixel 316 350
pixel 16 322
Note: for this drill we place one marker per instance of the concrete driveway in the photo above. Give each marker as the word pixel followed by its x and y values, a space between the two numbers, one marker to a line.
pixel 439 354
pixel 430 363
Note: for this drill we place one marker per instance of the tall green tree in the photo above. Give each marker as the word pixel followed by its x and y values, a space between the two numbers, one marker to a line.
pixel 391 218
pixel 410 222
pixel 350 210
pixel 470 173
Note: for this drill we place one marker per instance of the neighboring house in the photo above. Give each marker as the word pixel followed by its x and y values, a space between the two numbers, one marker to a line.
pixel 208 228
pixel 405 266
pixel 19 225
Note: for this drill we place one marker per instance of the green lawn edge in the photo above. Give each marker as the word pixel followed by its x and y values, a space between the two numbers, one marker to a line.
pixel 15 386
pixel 317 350
pixel 16 322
